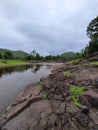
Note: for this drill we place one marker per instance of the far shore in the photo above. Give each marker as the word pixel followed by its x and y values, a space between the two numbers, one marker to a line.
pixel 11 63
pixel 8 63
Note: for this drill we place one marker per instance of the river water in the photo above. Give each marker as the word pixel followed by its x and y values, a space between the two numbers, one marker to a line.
pixel 14 79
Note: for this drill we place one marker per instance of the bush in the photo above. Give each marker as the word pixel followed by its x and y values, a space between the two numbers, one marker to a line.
pixel 75 93
pixel 67 73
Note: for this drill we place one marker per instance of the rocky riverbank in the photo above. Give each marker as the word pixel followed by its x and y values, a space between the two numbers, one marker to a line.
pixel 65 100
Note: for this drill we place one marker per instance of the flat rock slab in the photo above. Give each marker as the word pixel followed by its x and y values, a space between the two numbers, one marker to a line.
pixel 94 117
pixel 28 96
pixel 29 117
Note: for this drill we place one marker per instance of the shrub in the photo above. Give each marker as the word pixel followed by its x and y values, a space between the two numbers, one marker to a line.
pixel 44 95
pixel 67 73
pixel 75 93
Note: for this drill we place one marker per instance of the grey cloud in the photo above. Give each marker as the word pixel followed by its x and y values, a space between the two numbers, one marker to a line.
pixel 48 26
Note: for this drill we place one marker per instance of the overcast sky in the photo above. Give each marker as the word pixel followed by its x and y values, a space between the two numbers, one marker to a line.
pixel 47 26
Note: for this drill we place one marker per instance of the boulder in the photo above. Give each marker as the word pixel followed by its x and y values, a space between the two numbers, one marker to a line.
pixel 81 118
pixel 84 109
pixel 93 100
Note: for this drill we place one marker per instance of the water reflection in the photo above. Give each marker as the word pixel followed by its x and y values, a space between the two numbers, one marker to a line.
pixel 9 70
pixel 15 79
pixel 35 68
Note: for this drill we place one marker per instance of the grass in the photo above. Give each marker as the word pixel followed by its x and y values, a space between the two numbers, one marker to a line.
pixel 67 73
pixel 69 110
pixel 44 95
pixel 75 93
pixel 90 64
pixel 74 61
pixel 12 62
pixel 40 85
pixel 94 63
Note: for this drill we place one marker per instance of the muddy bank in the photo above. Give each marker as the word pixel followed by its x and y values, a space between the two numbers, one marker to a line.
pixel 52 103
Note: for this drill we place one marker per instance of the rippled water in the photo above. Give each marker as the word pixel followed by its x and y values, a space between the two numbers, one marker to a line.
pixel 14 79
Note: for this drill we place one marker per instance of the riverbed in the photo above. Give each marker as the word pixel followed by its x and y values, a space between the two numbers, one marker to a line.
pixel 13 80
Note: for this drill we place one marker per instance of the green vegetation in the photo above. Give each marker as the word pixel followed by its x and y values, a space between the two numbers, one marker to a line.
pixel 93 82
pixel 75 93
pixel 12 62
pixel 75 90
pixel 94 63
pixel 9 54
pixel 67 73
pixel 71 56
pixel 68 55
pixel 40 85
pixel 92 32
pixel 44 95
pixel 74 61
pixel 69 110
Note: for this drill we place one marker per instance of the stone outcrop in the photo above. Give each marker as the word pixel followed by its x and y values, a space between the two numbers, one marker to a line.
pixel 57 111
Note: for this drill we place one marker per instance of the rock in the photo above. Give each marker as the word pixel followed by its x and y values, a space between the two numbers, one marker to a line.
pixel 81 118
pixel 95 83
pixel 94 127
pixel 58 97
pixel 52 90
pixel 84 101
pixel 93 101
pixel 94 117
pixel 61 108
pixel 84 109
pixel 34 99
pixel 53 120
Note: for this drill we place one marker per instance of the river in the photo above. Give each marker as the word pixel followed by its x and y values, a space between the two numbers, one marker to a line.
pixel 14 79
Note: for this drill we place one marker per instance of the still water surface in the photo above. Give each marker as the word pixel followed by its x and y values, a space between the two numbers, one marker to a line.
pixel 14 79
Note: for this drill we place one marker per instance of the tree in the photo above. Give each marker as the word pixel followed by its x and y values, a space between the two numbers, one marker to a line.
pixel 33 53
pixel 8 55
pixel 92 32
pixel 37 56
pixel 28 57
pixel 0 56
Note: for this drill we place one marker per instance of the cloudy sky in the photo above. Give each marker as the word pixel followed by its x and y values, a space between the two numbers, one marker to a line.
pixel 47 26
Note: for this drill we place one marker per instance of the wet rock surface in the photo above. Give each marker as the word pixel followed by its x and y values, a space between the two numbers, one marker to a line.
pixel 57 111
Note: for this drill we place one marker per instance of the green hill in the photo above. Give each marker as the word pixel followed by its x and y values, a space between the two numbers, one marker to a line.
pixel 16 54
pixel 68 55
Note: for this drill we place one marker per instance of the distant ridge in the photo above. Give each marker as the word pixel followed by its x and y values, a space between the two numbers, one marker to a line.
pixel 16 54
pixel 68 55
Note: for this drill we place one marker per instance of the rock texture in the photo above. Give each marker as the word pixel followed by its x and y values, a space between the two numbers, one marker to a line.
pixel 56 111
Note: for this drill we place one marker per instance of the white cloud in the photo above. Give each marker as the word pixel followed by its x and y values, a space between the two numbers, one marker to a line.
pixel 49 26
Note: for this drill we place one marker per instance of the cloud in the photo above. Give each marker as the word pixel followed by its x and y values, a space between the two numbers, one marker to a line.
pixel 48 26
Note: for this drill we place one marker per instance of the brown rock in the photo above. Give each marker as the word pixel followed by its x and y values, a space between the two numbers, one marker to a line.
pixel 81 118
pixel 95 127
pixel 58 97
pixel 94 117
pixel 93 100
pixel 61 108
pixel 84 109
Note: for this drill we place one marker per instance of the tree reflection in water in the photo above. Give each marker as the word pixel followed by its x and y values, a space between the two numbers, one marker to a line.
pixel 9 70
pixel 35 68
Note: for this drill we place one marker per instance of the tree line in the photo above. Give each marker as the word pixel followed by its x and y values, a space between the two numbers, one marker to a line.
pixel 7 54
pixel 92 33
pixel 92 47
pixel 89 50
